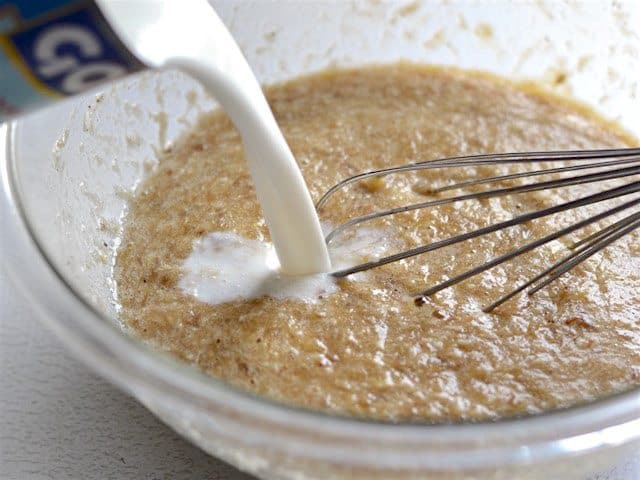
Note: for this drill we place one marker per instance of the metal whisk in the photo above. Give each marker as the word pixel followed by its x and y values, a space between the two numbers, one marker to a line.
pixel 609 164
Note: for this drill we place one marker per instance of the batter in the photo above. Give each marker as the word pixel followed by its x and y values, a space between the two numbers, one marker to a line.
pixel 363 348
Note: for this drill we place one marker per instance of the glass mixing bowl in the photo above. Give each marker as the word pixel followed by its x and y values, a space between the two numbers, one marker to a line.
pixel 67 174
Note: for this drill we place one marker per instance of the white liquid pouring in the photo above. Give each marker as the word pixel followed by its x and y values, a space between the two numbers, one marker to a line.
pixel 188 35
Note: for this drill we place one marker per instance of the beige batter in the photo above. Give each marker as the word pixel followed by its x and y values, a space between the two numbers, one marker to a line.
pixel 368 350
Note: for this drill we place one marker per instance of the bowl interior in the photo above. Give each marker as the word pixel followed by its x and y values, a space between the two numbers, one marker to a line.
pixel 78 163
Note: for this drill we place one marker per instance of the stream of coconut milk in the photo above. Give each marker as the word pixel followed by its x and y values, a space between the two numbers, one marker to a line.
pixel 190 36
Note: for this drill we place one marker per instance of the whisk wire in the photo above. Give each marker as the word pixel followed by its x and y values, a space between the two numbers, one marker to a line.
pixel 589 251
pixel 610 160
pixel 627 189
pixel 534 173
pixel 527 248
pixel 552 268
pixel 486 159
pixel 594 236
pixel 546 185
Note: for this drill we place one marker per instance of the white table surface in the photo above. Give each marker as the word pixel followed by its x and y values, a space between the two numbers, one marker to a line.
pixel 61 421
